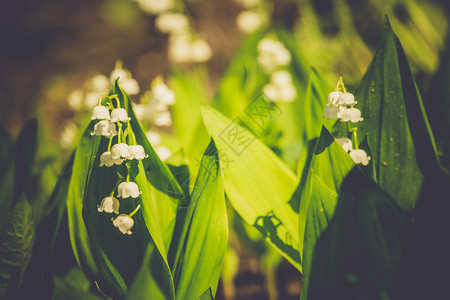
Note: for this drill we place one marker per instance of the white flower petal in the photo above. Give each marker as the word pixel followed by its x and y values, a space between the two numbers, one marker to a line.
pixel 100 112
pixel 106 159
pixel 109 205
pixel 120 151
pixel 137 152
pixel 359 156
pixel 105 128
pixel 351 114
pixel 333 97
pixel 346 99
pixel 124 223
pixel 119 114
pixel 346 143
pixel 128 189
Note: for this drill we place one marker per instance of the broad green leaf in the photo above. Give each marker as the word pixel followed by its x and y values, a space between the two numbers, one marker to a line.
pixel 203 238
pixel 397 129
pixel 95 240
pixel 257 183
pixel 154 278
pixel 357 255
pixel 328 168
pixel 17 242
pixel 163 189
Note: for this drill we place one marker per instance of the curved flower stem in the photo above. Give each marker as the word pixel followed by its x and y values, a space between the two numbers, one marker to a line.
pixel 134 211
pixel 117 99
pixel 110 143
pixel 355 137
pixel 120 132
pixel 128 171
pixel 115 187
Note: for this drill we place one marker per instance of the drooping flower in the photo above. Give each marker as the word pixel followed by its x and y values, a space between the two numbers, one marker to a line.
pixel 346 143
pixel 351 114
pixel 105 128
pixel 100 112
pixel 119 114
pixel 359 156
pixel 109 205
pixel 106 159
pixel 120 151
pixel 333 97
pixel 346 99
pixel 272 54
pixel 200 51
pixel 128 189
pixel 137 152
pixel 280 88
pixel 124 223
pixel 333 111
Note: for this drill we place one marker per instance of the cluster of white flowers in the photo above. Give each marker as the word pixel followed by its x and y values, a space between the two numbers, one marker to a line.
pixel 110 125
pixel 184 44
pixel 252 18
pixel 340 105
pixel 82 100
pixel 154 110
pixel 272 57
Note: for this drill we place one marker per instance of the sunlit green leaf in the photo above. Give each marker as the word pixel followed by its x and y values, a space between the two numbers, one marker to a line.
pixel 328 168
pixel 257 183
pixel 202 240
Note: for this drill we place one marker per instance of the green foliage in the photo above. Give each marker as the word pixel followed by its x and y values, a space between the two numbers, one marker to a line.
pixel 328 168
pixel 394 122
pixel 357 255
pixel 257 183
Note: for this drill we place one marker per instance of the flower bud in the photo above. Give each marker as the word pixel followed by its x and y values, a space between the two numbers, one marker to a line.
pixel 346 143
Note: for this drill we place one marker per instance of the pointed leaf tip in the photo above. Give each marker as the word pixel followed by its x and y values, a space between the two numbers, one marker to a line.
pixel 387 22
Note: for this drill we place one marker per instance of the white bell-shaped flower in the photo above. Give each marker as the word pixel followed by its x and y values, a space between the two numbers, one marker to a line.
pixel 120 151
pixel 106 159
pixel 105 128
pixel 163 152
pixel 333 111
pixel 346 143
pixel 351 114
pixel 163 118
pixel 130 86
pixel 137 152
pixel 359 156
pixel 346 99
pixel 128 189
pixel 172 23
pixel 333 97
pixel 100 112
pixel 119 114
pixel 109 205
pixel 124 223
pixel 200 51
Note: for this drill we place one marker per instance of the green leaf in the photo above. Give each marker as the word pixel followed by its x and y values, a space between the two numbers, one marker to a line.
pixel 154 278
pixel 396 126
pixel 202 241
pixel 242 80
pixel 257 183
pixel 17 242
pixel 328 168
pixel 105 254
pixel 72 287
pixel 357 255
pixel 207 295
